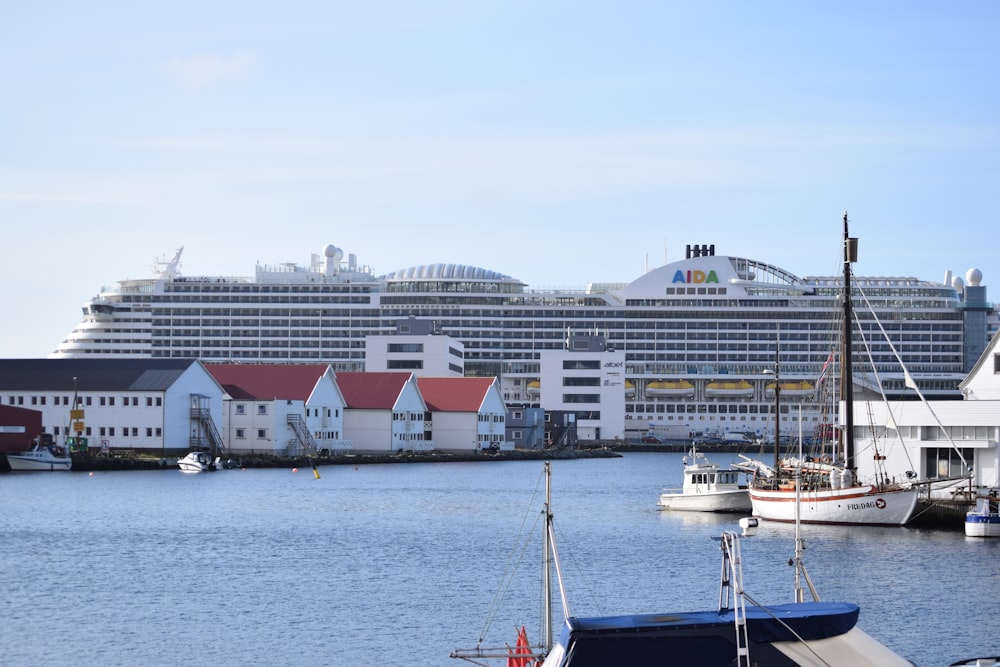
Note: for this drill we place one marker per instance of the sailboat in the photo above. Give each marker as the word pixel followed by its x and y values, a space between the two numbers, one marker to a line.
pixel 523 654
pixel 738 632
pixel 830 489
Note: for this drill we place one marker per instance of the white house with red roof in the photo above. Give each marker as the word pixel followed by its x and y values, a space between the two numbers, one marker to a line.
pixel 467 414
pixel 384 412
pixel 291 409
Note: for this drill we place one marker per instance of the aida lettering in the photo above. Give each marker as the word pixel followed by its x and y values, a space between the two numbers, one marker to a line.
pixel 696 277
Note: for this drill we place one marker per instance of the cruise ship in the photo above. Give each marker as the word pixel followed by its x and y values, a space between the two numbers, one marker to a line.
pixel 701 337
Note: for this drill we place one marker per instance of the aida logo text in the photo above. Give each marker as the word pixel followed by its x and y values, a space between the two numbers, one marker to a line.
pixel 695 277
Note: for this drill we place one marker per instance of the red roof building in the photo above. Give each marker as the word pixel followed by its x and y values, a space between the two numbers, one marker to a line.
pixel 288 409
pixel 384 412
pixel 467 414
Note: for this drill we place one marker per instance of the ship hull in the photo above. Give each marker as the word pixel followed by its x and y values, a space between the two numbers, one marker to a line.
pixel 853 505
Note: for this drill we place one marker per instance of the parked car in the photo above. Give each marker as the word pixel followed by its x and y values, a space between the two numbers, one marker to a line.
pixel 708 440
pixel 652 440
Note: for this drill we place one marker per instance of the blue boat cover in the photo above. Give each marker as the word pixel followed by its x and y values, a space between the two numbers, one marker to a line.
pixel 701 637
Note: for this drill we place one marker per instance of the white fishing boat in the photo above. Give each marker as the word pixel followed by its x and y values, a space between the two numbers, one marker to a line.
pixel 706 488
pixel 198 462
pixel 984 520
pixel 739 632
pixel 829 487
pixel 41 457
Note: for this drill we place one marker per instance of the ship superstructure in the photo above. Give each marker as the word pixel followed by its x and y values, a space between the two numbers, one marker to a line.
pixel 700 335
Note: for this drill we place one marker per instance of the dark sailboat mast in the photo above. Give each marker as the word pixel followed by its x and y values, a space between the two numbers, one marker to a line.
pixel 847 371
pixel 777 405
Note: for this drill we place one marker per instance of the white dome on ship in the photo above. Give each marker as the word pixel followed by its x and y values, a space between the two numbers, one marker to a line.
pixel 333 252
pixel 974 277
pixel 957 283
pixel 447 272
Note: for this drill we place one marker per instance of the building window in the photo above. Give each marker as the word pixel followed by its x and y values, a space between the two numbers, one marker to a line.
pixel 945 461
pixel 262 409
pixel 404 364
pixel 409 348
pixel 261 433
pixel 581 398
pixel 581 365
pixel 241 433
pixel 241 409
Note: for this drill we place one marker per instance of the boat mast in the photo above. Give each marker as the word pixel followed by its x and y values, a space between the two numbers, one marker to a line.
pixel 547 561
pixel 551 559
pixel 777 405
pixel 847 372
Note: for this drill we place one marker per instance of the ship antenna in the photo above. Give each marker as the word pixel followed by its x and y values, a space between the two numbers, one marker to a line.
pixel 168 268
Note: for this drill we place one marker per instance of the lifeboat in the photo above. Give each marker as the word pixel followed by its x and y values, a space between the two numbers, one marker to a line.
pixel 629 388
pixel 670 388
pixel 729 389
pixel 800 388
pixel 534 388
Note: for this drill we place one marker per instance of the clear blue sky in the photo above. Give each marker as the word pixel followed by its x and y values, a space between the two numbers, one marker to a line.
pixel 558 142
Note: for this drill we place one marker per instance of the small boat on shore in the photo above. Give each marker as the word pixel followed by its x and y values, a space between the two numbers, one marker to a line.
pixel 41 457
pixel 706 488
pixel 198 462
pixel 984 520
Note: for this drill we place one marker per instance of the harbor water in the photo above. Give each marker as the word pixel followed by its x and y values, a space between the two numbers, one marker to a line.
pixel 399 564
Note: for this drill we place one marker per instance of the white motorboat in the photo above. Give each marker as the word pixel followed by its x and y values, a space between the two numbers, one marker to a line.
pixel 41 457
pixel 706 488
pixel 984 520
pixel 198 462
